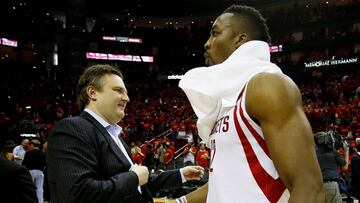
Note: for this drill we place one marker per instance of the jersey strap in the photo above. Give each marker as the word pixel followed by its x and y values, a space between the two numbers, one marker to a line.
pixel 272 188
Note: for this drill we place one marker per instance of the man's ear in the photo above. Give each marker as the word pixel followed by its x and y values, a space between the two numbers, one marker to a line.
pixel 241 38
pixel 91 92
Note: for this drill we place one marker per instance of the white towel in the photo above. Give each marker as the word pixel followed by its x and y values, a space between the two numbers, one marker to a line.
pixel 211 88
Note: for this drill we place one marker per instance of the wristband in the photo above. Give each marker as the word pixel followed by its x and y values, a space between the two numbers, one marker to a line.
pixel 181 199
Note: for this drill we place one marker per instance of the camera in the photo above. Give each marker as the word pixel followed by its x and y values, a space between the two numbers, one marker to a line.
pixel 339 140
pixel 325 140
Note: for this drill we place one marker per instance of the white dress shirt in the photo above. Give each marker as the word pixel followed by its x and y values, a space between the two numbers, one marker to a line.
pixel 114 130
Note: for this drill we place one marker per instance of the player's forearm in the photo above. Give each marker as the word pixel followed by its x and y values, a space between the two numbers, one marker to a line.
pixel 307 194
pixel 199 195
pixel 307 198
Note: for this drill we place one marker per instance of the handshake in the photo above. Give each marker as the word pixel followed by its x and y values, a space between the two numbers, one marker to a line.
pixel 188 172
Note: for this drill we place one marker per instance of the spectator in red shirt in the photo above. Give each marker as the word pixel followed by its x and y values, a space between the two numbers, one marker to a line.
pixel 168 156
pixel 202 156
pixel 172 146
pixel 138 156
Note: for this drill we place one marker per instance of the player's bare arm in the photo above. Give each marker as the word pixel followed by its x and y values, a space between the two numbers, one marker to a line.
pixel 275 102
pixel 197 196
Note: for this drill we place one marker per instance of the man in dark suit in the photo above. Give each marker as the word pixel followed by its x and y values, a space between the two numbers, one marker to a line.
pixel 88 161
pixel 17 185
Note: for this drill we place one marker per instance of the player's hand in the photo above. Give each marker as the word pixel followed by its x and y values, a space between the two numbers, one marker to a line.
pixel 193 172
pixel 142 173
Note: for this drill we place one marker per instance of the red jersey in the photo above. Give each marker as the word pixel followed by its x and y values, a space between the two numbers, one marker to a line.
pixel 202 158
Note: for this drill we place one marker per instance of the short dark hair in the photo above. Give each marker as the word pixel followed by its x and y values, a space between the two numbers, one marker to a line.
pixel 255 21
pixel 91 76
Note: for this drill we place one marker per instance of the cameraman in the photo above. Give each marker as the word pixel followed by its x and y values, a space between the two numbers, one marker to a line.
pixel 330 161
pixel 355 169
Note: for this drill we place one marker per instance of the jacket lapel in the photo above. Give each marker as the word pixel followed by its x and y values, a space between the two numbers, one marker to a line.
pixel 126 148
pixel 108 138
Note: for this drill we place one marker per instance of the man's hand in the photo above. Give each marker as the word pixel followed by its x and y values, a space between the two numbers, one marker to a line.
pixel 142 173
pixel 193 172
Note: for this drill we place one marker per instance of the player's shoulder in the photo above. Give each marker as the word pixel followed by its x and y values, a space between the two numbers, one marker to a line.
pixel 269 91
pixel 271 79
pixel 271 84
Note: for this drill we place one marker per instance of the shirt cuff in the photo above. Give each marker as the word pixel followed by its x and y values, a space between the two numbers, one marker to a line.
pixel 183 179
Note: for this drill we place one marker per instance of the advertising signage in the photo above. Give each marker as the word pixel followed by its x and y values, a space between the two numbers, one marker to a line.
pixel 119 57
pixel 123 39
pixel 332 62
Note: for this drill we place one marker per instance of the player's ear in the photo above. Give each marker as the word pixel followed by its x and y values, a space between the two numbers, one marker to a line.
pixel 240 39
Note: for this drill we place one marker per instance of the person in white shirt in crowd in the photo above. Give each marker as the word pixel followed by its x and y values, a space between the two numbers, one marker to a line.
pixel 189 154
pixel 20 150
pixel 34 161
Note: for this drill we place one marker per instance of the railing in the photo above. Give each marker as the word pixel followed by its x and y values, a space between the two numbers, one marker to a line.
pixel 179 152
pixel 168 132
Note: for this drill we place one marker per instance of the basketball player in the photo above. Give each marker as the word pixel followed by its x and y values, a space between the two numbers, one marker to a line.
pixel 251 117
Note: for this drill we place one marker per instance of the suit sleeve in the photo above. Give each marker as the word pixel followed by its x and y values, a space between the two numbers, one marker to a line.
pixel 165 180
pixel 73 168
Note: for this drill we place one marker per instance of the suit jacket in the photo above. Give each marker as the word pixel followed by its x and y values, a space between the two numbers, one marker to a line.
pixel 355 170
pixel 85 165
pixel 17 184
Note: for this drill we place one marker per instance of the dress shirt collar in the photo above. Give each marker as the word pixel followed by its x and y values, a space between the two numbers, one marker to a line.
pixel 114 129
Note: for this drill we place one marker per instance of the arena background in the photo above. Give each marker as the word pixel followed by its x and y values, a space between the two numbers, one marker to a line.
pixel 45 45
